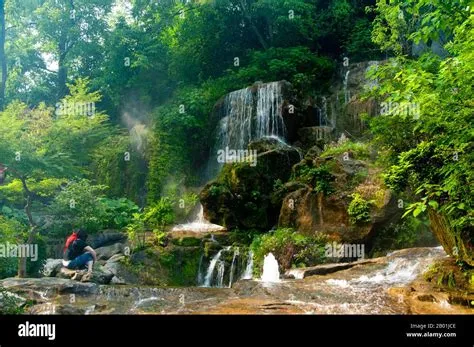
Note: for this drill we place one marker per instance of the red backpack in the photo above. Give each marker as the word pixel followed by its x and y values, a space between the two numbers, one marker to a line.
pixel 70 239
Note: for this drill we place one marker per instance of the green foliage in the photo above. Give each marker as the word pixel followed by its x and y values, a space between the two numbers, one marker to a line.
pixel 78 205
pixel 432 153
pixel 10 304
pixel 409 232
pixel 359 150
pixel 13 194
pixel 297 65
pixel 10 231
pixel 136 231
pixel 119 164
pixel 186 203
pixel 318 177
pixel 159 214
pixel 359 209
pixel 289 247
pixel 82 204
pixel 399 23
pixel 117 212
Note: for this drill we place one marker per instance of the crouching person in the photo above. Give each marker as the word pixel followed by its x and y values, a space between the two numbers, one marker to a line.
pixel 78 255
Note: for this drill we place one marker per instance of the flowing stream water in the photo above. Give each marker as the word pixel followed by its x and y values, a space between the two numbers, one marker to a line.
pixel 362 289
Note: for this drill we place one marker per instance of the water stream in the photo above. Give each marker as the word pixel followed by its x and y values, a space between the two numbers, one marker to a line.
pixel 362 289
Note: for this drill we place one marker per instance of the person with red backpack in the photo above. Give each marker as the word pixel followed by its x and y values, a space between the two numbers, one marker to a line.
pixel 78 255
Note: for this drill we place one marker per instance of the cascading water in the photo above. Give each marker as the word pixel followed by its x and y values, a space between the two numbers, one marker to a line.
pixel 212 266
pixel 347 93
pixel 220 273
pixel 232 266
pixel 271 273
pixel 248 273
pixel 200 275
pixel 198 224
pixel 250 115
pixel 269 111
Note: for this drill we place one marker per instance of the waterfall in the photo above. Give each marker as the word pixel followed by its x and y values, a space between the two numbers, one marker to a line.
pixel 212 266
pixel 347 93
pixel 271 273
pixel 269 111
pixel 235 129
pixel 199 276
pixel 198 224
pixel 248 274
pixel 232 269
pixel 251 115
pixel 220 273
pixel 220 270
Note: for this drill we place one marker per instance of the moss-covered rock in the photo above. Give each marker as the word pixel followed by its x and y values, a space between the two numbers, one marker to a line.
pixel 163 266
pixel 241 194
pixel 311 211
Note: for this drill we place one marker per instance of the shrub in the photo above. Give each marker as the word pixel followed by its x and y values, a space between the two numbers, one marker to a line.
pixel 9 303
pixel 290 248
pixel 117 212
pixel 82 204
pixel 319 177
pixel 359 209
pixel 358 149
pixel 161 213
pixel 10 231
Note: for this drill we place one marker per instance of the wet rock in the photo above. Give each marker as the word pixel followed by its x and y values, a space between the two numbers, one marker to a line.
pixel 116 257
pixel 426 297
pixel 107 252
pixel 117 280
pixel 323 269
pixel 52 267
pixel 313 152
pixel 49 286
pixel 69 310
pixel 100 275
pixel 121 273
pixel 312 137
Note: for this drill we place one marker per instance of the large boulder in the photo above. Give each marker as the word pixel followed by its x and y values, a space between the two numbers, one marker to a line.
pixel 241 194
pixel 48 287
pixel 106 252
pixel 106 238
pixel 100 275
pixel 315 136
pixel 311 212
pixel 52 267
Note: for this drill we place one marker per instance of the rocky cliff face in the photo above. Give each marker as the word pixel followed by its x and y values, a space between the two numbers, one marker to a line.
pixel 241 194
pixel 312 212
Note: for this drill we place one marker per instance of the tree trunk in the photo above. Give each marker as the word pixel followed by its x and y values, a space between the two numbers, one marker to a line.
pixel 62 74
pixel 3 61
pixel 33 227
pixel 252 25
